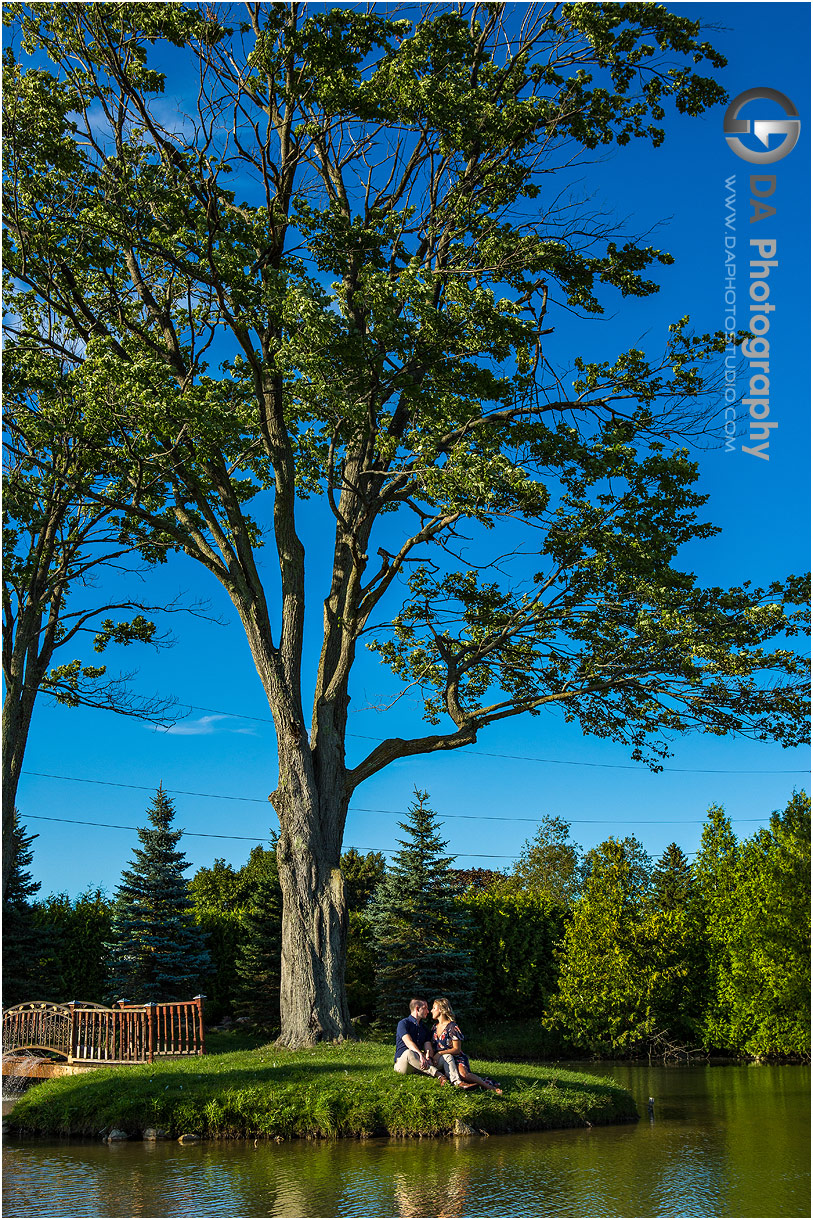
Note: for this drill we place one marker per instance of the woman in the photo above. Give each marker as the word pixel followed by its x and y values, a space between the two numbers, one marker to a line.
pixel 447 1040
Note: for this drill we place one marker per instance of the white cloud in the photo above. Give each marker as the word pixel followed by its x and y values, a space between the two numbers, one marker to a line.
pixel 206 725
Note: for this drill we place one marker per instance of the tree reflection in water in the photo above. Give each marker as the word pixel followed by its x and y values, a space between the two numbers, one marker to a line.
pixel 443 1188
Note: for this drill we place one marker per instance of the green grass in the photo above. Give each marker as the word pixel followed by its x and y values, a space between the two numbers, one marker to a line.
pixel 328 1092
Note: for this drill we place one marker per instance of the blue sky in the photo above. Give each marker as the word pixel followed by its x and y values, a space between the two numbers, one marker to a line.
pixel 490 798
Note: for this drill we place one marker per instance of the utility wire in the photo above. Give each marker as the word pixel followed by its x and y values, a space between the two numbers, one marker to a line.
pixel 562 762
pixel 109 783
pixel 36 817
pixel 467 817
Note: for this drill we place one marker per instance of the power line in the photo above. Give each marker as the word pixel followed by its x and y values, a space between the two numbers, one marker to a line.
pixel 109 783
pixel 561 762
pixel 36 817
pixel 466 817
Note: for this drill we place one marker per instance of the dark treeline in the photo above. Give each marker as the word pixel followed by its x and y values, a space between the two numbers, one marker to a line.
pixel 614 953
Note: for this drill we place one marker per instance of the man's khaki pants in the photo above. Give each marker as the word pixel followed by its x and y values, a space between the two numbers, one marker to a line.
pixel 410 1061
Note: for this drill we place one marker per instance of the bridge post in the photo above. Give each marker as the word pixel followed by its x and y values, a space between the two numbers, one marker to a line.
pixel 199 1001
pixel 150 1005
pixel 74 1035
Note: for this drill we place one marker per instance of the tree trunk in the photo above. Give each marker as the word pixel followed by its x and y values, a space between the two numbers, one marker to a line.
pixel 313 1002
pixel 18 709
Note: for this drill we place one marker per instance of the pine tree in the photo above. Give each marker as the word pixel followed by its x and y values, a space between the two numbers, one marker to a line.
pixel 672 880
pixel 157 952
pixel 259 958
pixel 21 938
pixel 678 956
pixel 422 937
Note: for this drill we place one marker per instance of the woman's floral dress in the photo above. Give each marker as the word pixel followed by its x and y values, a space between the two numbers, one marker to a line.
pixel 444 1043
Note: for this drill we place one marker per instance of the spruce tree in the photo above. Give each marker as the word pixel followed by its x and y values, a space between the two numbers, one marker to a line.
pixel 157 951
pixel 422 936
pixel 21 938
pixel 677 953
pixel 672 880
pixel 259 958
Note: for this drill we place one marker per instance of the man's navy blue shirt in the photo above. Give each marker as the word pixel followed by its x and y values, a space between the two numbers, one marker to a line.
pixel 416 1030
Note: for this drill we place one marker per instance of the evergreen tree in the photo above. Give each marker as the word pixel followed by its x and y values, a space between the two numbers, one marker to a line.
pixel 74 935
pixel 716 869
pixel 157 951
pixel 517 933
pixel 21 885
pixel 762 981
pixel 359 974
pixel 21 940
pixel 672 880
pixel 422 937
pixel 259 958
pixel 216 888
pixel 362 874
pixel 603 1002
pixel 678 958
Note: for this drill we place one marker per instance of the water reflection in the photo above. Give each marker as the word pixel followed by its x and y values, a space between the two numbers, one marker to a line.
pixel 432 1196
pixel 725 1142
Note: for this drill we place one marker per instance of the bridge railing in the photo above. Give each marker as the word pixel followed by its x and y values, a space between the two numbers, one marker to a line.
pixel 91 1033
pixel 37 1025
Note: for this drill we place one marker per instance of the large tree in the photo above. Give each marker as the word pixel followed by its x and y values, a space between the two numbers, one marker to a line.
pixel 770 958
pixel 333 271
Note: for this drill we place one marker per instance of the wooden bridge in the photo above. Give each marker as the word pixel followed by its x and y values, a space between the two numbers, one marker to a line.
pixel 91 1035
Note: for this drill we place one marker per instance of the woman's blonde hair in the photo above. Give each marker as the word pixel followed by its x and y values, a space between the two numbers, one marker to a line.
pixel 445 1008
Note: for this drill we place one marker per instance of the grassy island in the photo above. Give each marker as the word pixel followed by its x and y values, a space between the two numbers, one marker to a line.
pixel 329 1092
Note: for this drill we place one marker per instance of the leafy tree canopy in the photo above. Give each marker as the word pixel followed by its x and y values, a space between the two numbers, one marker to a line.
pixel 225 888
pixel 550 863
pixel 362 873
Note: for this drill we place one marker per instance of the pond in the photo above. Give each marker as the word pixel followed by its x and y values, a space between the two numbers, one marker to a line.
pixel 724 1141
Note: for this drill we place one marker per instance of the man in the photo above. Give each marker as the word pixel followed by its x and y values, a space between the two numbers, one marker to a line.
pixel 413 1046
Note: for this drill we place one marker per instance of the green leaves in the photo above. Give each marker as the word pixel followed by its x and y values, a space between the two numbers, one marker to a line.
pixel 336 277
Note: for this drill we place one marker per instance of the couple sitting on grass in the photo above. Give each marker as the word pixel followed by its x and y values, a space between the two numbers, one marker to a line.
pixel 435 1052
